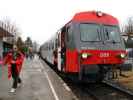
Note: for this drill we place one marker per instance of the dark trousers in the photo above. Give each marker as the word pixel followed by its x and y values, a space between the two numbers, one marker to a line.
pixel 15 76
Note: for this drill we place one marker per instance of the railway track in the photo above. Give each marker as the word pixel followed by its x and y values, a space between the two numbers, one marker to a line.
pixel 91 94
pixel 103 91
pixel 119 87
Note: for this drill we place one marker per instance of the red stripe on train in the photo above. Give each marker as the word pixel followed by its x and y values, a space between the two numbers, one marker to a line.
pixel 74 58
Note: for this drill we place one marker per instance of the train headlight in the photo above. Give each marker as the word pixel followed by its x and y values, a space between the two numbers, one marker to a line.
pixel 99 14
pixel 122 55
pixel 85 55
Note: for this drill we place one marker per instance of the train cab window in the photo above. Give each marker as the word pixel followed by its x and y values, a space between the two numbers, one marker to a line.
pixel 89 32
pixel 111 33
pixel 70 37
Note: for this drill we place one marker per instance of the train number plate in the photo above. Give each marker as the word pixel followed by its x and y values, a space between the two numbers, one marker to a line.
pixel 104 54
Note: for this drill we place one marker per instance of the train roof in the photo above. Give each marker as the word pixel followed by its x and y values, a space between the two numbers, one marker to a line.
pixel 94 17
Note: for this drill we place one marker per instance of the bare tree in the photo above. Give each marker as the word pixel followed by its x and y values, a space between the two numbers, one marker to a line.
pixel 128 28
pixel 10 26
pixel 11 31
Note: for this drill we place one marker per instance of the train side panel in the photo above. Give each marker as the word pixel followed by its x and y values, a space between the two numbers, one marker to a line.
pixel 72 63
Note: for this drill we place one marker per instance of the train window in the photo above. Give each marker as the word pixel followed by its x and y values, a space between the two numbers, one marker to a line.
pixel 58 40
pixel 69 32
pixel 63 30
pixel 52 46
pixel 111 33
pixel 89 32
pixel 56 43
pixel 70 37
pixel 48 47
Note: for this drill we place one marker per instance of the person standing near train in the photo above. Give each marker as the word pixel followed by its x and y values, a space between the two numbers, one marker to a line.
pixel 14 60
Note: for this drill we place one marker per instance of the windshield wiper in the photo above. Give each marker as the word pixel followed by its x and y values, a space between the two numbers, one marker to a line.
pixel 99 36
pixel 108 37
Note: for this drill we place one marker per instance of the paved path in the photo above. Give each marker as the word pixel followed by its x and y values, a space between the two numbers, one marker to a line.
pixel 39 83
pixel 35 85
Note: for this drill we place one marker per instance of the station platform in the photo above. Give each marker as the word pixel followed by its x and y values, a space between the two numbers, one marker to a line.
pixel 39 82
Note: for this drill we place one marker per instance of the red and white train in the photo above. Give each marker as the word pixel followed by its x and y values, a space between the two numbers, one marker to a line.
pixel 87 47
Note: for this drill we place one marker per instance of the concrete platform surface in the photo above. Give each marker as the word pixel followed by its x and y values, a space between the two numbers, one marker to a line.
pixel 39 83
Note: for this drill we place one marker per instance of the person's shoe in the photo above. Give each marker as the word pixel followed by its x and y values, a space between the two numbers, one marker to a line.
pixel 12 90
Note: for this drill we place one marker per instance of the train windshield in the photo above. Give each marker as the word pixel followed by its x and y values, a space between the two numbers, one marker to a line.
pixel 96 32
pixel 111 33
pixel 89 32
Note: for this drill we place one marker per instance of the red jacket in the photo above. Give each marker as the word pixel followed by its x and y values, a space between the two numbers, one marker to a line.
pixel 19 61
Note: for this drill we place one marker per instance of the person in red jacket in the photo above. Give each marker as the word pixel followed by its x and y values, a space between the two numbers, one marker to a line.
pixel 14 60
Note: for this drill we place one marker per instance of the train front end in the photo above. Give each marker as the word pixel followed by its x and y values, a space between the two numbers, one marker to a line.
pixel 98 46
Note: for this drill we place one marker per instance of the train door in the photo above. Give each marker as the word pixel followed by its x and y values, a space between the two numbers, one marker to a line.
pixel 59 52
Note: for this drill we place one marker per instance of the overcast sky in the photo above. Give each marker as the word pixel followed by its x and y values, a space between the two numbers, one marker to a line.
pixel 40 19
